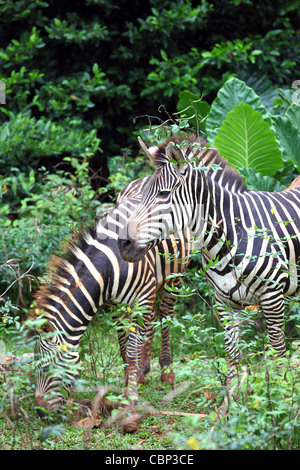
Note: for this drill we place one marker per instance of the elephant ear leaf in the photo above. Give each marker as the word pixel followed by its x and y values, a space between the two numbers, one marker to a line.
pixel 287 130
pixel 246 140
pixel 233 92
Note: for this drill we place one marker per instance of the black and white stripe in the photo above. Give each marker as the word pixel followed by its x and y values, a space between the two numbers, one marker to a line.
pixel 250 240
pixel 91 274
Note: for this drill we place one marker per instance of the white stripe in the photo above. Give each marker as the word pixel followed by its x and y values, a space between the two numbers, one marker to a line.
pixel 73 273
pixel 69 293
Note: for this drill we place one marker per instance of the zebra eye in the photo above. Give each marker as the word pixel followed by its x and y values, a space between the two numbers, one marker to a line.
pixel 164 194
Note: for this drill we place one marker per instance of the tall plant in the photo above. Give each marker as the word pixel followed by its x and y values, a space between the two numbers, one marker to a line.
pixel 254 137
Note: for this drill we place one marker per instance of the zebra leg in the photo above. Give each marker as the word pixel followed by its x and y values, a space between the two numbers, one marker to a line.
pixel 165 359
pixel 231 326
pixel 144 368
pixel 134 344
pixel 133 359
pixel 122 338
pixel 272 304
pixel 134 348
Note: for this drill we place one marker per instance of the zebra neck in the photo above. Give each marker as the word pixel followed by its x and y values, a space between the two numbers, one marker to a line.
pixel 207 224
pixel 111 224
pixel 77 289
pixel 68 305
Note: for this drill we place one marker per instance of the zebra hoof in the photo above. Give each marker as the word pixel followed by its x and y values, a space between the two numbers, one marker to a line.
pixel 142 373
pixel 141 379
pixel 168 376
pixel 130 423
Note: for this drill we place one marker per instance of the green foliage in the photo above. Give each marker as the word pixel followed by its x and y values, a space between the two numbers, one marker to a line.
pixel 9 321
pixel 104 64
pixel 38 212
pixel 259 182
pixel 247 141
pixel 192 108
pixel 263 409
pixel 287 132
pixel 232 93
pixel 263 414
pixel 53 140
pixel 255 139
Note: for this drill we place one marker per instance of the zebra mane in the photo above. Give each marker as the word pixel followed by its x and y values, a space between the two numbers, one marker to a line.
pixel 196 150
pixel 56 273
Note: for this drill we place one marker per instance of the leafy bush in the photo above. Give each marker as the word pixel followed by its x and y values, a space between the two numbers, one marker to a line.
pixel 38 213
pixel 89 71
pixel 254 138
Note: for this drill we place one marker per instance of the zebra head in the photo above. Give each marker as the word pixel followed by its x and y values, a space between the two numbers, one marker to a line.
pixel 165 207
pixel 56 371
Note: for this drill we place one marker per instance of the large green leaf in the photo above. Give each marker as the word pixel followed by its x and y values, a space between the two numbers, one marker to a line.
pixel 192 108
pixel 247 141
pixel 293 114
pixel 262 86
pixel 288 135
pixel 233 92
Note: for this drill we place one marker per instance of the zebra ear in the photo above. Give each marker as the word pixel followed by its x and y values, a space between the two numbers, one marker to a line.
pixel 175 156
pixel 150 150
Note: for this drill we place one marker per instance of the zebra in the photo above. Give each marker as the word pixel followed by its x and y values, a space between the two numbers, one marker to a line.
pixel 90 274
pixel 249 240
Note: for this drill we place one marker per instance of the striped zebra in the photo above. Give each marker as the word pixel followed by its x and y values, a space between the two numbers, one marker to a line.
pixel 250 240
pixel 91 274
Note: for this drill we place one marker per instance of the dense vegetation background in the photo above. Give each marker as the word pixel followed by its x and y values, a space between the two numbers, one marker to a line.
pixel 83 79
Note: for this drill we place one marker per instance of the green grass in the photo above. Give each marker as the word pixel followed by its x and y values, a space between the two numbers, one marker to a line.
pixel 263 412
pixel 155 431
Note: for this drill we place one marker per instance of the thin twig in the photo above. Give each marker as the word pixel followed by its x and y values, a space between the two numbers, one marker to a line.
pixel 20 276
pixel 178 413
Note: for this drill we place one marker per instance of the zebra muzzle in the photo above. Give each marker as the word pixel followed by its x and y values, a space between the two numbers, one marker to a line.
pixel 130 251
